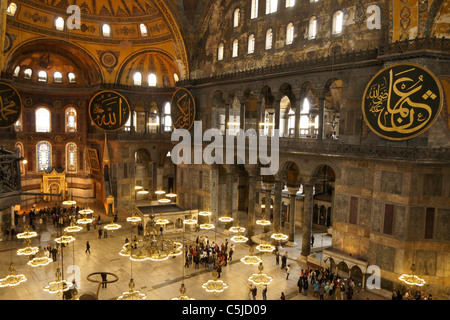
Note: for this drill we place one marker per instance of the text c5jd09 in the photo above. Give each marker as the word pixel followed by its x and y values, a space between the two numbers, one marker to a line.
pixel 241 310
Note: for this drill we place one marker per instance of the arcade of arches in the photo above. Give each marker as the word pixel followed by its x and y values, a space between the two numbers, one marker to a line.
pixel 299 70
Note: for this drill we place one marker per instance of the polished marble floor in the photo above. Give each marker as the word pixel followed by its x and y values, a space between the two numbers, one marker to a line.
pixel 158 280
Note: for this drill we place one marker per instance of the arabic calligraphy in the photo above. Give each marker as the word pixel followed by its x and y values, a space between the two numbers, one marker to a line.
pixel 109 110
pixel 183 109
pixel 10 105
pixel 402 101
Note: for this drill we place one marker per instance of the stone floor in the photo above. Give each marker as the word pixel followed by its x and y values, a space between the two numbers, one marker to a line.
pixel 158 280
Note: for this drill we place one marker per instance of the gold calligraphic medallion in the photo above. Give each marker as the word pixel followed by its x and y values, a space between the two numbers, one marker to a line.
pixel 109 110
pixel 10 105
pixel 402 101
pixel 183 109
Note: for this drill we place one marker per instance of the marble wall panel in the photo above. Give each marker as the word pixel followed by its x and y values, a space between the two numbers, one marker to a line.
pixel 341 204
pixel 391 182
pixel 365 211
pixel 432 185
pixel 356 177
pixel 426 262
pixel 443 224
pixel 377 217
pixel 399 221
pixel 416 223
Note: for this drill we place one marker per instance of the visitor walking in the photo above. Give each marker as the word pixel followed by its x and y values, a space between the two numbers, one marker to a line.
pixel 264 293
pixel 88 247
pixel 288 270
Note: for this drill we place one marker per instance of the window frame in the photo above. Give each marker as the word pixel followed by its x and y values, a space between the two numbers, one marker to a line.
pixel 40 120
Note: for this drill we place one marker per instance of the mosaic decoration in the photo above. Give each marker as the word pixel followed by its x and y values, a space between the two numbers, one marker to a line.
pixel 405 20
pixel 109 110
pixel 183 109
pixel 10 105
pixel 108 59
pixel 402 101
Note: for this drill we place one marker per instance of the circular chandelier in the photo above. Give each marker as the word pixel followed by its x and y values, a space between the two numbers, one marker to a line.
pixel 225 219
pixel 65 239
pixel 162 221
pixel 412 279
pixel 138 187
pixel 164 200
pixel 134 219
pixel 143 191
pixel 206 226
pixel 237 229
pixel 13 279
pixel 57 286
pixel 264 247
pixel 84 221
pixel 279 236
pixel 251 259
pixel 73 228
pixel 214 285
pixel 263 222
pixel 40 260
pixel 204 213
pixel 190 221
pixel 69 202
pixel 183 295
pixel 239 238
pixel 160 192
pixel 132 294
pixel 27 234
pixel 152 249
pixel 28 250
pixel 112 226
pixel 171 194
pixel 86 211
pixel 260 278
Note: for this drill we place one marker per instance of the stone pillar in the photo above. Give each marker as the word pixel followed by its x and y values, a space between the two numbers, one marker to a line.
pixel 259 116
pixel 253 172
pixel 307 217
pixel 292 211
pixel 277 115
pixel 321 118
pixel 268 197
pixel 277 205
pixel 231 170
pixel 3 7
pixel 13 225
pixel 242 116
pixel 214 200
pixel 297 118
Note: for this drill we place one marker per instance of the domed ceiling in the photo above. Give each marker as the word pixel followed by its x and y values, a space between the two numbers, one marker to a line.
pixel 35 19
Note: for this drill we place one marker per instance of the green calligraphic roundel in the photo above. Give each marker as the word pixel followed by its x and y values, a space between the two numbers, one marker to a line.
pixel 109 110
pixel 183 109
pixel 402 101
pixel 10 105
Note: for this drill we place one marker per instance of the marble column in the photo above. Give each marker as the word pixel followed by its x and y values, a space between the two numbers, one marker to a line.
pixel 321 118
pixel 292 211
pixel 277 205
pixel 307 217
pixel 229 210
pixel 13 225
pixel 297 118
pixel 214 200
pixel 253 172
pixel 277 106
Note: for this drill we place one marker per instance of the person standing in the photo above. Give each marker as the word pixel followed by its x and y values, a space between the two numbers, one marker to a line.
pixel 254 292
pixel 283 297
pixel 288 270
pixel 54 254
pixel 312 241
pixel 100 232
pixel 250 291
pixel 283 260
pixel 88 247
pixel 231 252
pixel 264 293
pixel 104 282
pixel 277 258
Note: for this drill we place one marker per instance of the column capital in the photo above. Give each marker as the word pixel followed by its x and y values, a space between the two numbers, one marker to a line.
pixel 308 180
pixel 253 170
pixel 292 191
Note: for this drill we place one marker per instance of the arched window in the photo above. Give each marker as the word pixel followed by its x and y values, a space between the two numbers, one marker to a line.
pixel 152 80
pixel 290 3
pixel 312 30
pixel 269 37
pixel 137 78
pixel 251 43
pixel 16 71
pixel 254 9
pixel 128 123
pixel 153 120
pixel 71 157
pixel 220 52
pixel 236 16
pixel 175 77
pixel 71 77
pixel 338 22
pixel 12 9
pixel 43 156
pixel 71 120
pixel 42 76
pixel 309 123
pixel 143 29
pixel 271 6
pixel 59 24
pixel 106 30
pixel 57 77
pixel 167 117
pixel 235 48
pixel 289 33
pixel 43 120
pixel 27 73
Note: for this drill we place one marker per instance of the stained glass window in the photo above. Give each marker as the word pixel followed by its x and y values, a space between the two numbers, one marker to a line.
pixel 43 156
pixel 71 157
pixel 71 120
